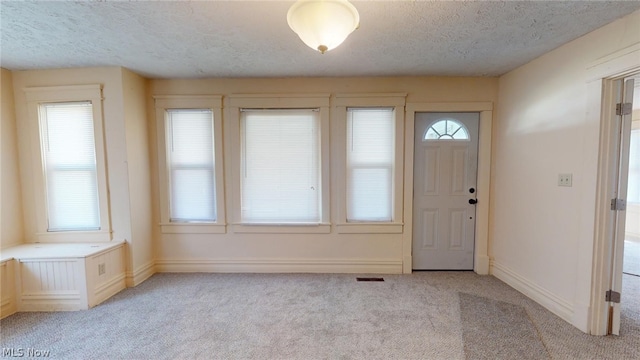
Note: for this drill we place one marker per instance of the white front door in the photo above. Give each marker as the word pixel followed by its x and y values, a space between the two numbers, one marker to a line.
pixel 444 190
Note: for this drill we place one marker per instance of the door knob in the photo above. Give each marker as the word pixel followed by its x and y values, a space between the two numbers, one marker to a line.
pixel 473 201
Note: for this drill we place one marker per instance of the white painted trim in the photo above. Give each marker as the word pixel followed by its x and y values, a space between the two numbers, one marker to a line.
pixel 450 106
pixel 369 228
pixel 40 95
pixel 373 266
pixel 542 296
pixel 276 101
pixel 614 65
pixel 8 299
pixel 594 266
pixel 7 308
pixel 52 302
pixel 214 103
pixel 282 228
pixel 481 250
pixel 370 100
pixel 108 289
pixel 193 228
pixel 141 274
pixel 74 236
pixel 341 103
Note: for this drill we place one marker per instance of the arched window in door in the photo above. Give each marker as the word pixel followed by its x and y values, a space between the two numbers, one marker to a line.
pixel 446 129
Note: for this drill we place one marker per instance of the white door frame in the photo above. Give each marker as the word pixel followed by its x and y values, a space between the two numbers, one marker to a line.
pixel 597 268
pixel 481 247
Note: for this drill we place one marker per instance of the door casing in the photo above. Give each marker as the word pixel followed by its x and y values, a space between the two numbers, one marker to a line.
pixel 595 263
pixel 481 247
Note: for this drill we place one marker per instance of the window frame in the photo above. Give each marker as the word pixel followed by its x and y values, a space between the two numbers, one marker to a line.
pixel 342 102
pixel 236 103
pixel 186 102
pixel 37 96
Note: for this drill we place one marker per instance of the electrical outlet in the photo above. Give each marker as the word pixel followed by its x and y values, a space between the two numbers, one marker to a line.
pixel 565 179
pixel 101 269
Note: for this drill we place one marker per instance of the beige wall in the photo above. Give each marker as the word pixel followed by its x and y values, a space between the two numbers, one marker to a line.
pixel 138 165
pixel 123 125
pixel 298 252
pixel 11 231
pixel 110 78
pixel 542 232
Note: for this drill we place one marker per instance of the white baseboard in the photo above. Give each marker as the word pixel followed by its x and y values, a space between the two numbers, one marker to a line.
pixel 7 307
pixel 52 301
pixel 361 266
pixel 551 302
pixel 142 273
pixel 581 313
pixel 108 289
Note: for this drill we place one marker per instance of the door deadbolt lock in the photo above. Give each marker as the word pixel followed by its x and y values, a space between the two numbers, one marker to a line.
pixel 472 190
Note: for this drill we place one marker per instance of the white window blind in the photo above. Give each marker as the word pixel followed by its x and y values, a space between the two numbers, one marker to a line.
pixel 370 154
pixel 280 166
pixel 633 187
pixel 191 165
pixel 69 157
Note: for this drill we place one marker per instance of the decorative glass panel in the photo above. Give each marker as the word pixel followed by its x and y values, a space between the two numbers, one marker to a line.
pixel 446 129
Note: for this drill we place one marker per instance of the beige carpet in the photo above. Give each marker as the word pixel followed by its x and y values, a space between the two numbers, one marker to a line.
pixel 314 316
pixel 505 326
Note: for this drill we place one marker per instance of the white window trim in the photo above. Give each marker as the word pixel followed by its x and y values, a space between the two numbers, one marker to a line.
pixel 214 103
pixel 387 100
pixel 236 103
pixel 54 94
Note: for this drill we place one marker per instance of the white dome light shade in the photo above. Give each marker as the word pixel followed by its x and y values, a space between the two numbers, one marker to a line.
pixel 323 24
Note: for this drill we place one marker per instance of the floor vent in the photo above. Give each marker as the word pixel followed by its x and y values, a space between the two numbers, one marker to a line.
pixel 370 279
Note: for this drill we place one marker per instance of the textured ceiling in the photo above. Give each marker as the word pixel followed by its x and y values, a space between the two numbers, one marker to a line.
pixel 252 39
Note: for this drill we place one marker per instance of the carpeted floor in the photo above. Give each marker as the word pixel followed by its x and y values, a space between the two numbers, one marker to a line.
pixel 432 315
pixel 512 335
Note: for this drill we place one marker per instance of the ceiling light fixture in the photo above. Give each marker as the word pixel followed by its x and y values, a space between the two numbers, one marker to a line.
pixel 323 24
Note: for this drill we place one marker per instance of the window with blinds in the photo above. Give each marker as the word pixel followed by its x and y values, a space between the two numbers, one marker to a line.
pixel 69 159
pixel 191 165
pixel 280 166
pixel 370 163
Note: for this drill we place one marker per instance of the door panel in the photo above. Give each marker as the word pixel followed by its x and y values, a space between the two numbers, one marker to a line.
pixel 445 169
pixel 623 139
pixel 431 166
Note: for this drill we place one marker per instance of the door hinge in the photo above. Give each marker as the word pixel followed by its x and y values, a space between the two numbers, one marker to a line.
pixel 623 108
pixel 618 204
pixel 612 296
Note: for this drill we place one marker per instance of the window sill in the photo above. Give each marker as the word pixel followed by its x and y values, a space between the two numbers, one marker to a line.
pixel 74 236
pixel 282 228
pixel 193 228
pixel 370 228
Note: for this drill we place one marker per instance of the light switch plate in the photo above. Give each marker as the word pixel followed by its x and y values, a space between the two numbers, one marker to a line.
pixel 565 179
